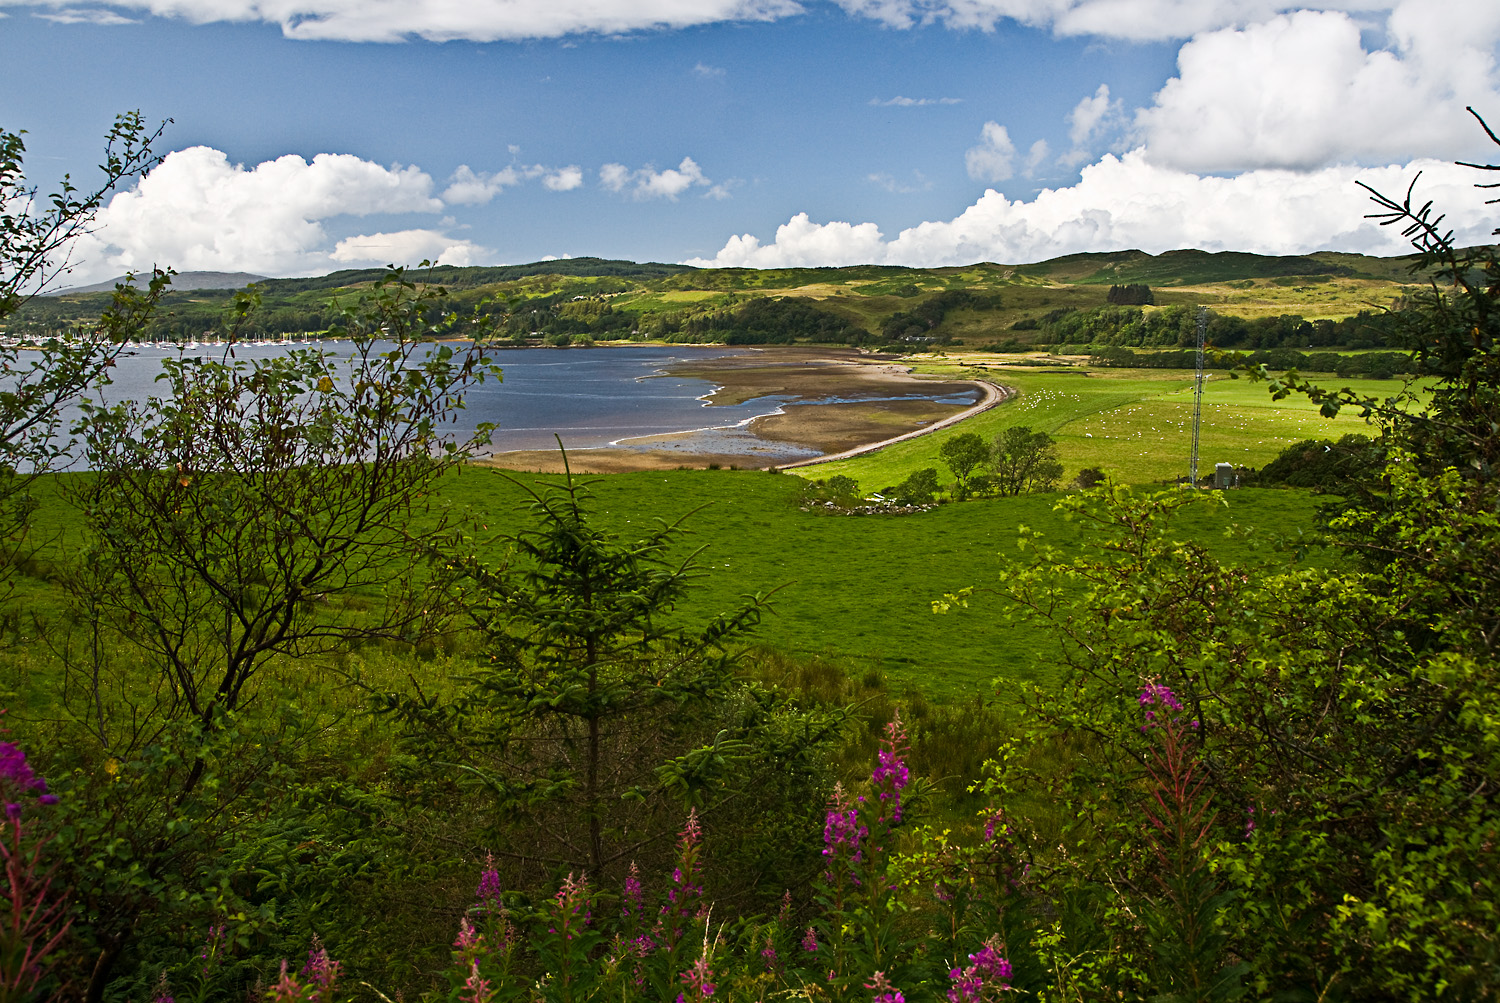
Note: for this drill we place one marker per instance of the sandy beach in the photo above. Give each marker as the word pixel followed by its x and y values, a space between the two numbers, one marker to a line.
pixel 829 401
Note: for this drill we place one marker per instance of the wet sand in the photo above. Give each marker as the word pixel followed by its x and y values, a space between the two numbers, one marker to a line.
pixel 830 401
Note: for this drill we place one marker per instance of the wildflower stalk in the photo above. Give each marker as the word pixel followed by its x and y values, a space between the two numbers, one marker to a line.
pixel 1184 928
pixel 570 938
pixel 35 917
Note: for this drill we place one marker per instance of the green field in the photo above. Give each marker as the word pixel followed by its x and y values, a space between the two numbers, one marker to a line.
pixel 857 588
pixel 1136 425
pixel 860 587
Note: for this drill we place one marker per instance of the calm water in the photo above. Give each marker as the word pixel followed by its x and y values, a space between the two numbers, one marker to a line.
pixel 589 397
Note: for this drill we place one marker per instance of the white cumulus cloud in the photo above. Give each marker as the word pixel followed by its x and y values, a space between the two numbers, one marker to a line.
pixel 564 179
pixel 1130 202
pixel 196 210
pixel 406 247
pixel 470 187
pixel 994 158
pixel 649 183
pixel 1088 118
pixel 440 20
pixel 1302 91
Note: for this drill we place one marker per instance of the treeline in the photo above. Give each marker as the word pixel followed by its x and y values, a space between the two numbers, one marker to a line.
pixel 1371 365
pixel 922 320
pixel 1137 294
pixel 760 321
pixel 1177 326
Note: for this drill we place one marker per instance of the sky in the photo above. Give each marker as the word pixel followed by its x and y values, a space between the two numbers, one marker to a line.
pixel 312 135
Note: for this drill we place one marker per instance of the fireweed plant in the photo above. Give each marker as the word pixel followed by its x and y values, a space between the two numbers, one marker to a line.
pixel 1186 929
pixel 662 944
pixel 35 919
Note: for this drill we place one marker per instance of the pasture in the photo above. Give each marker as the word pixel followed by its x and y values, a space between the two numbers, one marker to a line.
pixel 859 588
pixel 1135 424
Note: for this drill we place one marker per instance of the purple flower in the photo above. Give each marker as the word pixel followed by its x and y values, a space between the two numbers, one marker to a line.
pixel 489 891
pixel 631 898
pixel 210 953
pixel 883 990
pixel 696 980
pixel 768 954
pixel 1155 693
pixel 321 970
pixel 984 978
pixel 810 941
pixel 1155 696
pixel 18 778
pixel 891 775
pixel 842 830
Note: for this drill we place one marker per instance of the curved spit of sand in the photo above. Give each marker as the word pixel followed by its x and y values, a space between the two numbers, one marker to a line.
pixel 994 394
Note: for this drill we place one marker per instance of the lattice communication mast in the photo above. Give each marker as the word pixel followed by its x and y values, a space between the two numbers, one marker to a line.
pixel 1198 397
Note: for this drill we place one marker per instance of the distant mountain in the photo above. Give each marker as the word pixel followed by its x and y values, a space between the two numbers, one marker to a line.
pixel 181 282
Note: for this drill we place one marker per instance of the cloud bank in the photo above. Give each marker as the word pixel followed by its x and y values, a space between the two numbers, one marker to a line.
pixel 196 210
pixel 515 20
pixel 442 21
pixel 1130 202
pixel 1300 91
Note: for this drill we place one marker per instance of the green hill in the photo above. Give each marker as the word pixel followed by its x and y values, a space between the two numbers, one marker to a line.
pixel 1014 307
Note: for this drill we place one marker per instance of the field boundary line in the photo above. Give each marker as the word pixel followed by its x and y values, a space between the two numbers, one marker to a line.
pixel 994 394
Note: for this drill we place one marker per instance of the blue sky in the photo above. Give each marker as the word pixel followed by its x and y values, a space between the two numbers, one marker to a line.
pixel 316 134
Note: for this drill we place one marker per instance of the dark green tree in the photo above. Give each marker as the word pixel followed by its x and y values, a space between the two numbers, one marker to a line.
pixel 1025 461
pixel 599 716
pixel 917 489
pixel 964 454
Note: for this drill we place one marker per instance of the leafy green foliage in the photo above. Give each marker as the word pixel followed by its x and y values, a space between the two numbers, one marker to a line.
pixel 1024 461
pixel 1318 696
pixel 256 510
pixel 1352 465
pixel 964 454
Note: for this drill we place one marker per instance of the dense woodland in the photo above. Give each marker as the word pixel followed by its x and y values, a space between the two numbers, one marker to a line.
pixel 288 734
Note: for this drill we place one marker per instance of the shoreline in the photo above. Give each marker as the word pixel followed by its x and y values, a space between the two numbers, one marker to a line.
pixel 823 405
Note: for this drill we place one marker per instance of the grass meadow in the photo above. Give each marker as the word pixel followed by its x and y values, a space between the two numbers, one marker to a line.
pixel 855 589
pixel 859 588
pixel 1134 424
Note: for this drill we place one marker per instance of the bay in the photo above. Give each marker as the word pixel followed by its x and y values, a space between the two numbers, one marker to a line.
pixel 588 397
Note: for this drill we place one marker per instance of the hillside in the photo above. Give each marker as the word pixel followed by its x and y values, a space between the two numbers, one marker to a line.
pixel 1259 301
